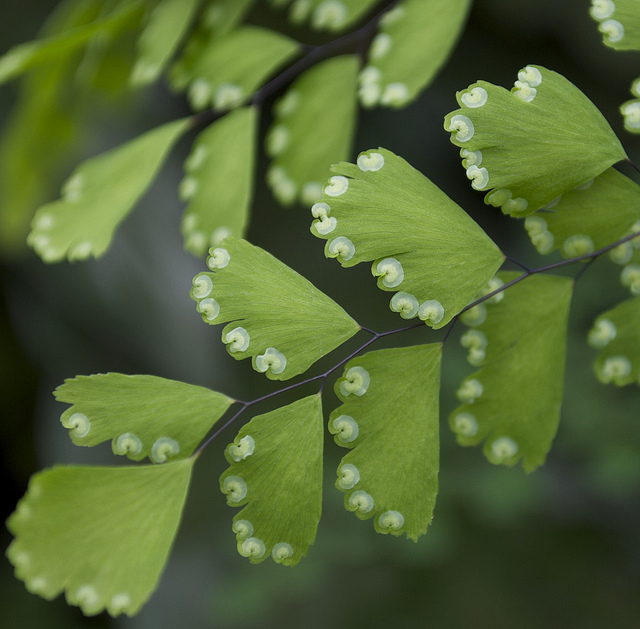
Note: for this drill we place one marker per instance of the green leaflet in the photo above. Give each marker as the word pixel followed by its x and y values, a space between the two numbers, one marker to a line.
pixel 219 181
pixel 580 221
pixel 619 23
pixel 50 111
pixel 631 109
pixel 167 25
pixel 513 402
pixel 99 195
pixel 219 18
pixel 389 416
pixel 421 243
pixel 23 57
pixel 314 125
pixel 520 145
pixel 330 15
pixel 44 114
pixel 275 473
pixel 616 333
pixel 102 535
pixel 630 276
pixel 256 53
pixel 276 316
pixel 414 41
pixel 144 416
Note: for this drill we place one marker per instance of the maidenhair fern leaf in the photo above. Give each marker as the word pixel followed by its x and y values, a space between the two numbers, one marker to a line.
pixel 617 334
pixel 99 195
pixel 421 243
pixel 101 535
pixel 313 128
pixel 630 275
pixel 631 109
pixel 619 22
pixel 275 473
pixel 219 17
pixel 415 39
pixel 520 146
pixel 143 416
pixel 513 402
pixel 167 25
pixel 25 56
pixel 580 221
pixel 45 114
pixel 276 316
pixel 330 15
pixel 233 66
pixel 389 416
pixel 219 181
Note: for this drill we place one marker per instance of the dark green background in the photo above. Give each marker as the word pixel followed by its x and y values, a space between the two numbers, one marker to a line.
pixel 558 548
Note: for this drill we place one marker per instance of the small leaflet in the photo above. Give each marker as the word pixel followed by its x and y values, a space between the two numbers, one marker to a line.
pixel 389 421
pixel 423 246
pixel 275 474
pixel 414 40
pixel 167 25
pixel 580 221
pixel 101 535
pixel 255 53
pixel 49 110
pixel 619 23
pixel 23 57
pixel 313 128
pixel 218 18
pixel 143 416
pixel 630 110
pixel 218 183
pixel 99 195
pixel 519 342
pixel 519 146
pixel 274 315
pixel 328 15
pixel 616 333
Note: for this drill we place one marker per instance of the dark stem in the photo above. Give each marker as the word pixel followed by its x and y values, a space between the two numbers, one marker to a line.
pixel 350 41
pixel 516 263
pixel 375 336
pixel 591 257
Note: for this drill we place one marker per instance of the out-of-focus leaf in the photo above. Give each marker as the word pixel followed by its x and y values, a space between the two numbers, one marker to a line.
pixel 219 181
pixel 235 65
pixel 513 402
pixel 314 125
pixel 414 41
pixel 616 333
pixel 99 195
pixel 619 22
pixel 160 38
pixel 25 56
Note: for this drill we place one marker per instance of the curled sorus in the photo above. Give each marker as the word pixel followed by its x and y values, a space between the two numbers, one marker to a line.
pixel 356 382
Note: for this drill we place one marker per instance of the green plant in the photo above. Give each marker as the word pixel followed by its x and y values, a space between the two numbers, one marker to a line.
pixel 519 146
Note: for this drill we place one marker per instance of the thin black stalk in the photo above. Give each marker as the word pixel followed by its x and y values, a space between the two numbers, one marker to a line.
pixel 311 56
pixel 375 336
pixel 516 263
